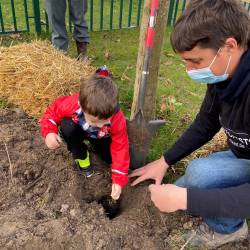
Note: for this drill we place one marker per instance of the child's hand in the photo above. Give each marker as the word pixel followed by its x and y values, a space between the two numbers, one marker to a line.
pixel 116 191
pixel 53 140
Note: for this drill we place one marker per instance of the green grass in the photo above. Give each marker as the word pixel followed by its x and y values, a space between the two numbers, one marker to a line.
pixel 118 50
pixel 3 104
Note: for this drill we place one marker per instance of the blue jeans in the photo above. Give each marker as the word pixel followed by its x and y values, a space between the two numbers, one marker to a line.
pixel 218 170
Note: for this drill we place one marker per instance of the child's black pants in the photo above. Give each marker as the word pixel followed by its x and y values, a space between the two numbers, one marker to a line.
pixel 74 136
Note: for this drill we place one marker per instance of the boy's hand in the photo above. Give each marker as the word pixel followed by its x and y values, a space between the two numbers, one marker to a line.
pixel 154 170
pixel 116 191
pixel 168 197
pixel 53 140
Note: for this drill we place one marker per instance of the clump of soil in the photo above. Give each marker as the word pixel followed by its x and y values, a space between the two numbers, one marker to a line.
pixel 45 204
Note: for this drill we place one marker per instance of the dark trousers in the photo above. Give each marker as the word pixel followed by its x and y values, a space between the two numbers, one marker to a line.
pixel 74 136
pixel 56 10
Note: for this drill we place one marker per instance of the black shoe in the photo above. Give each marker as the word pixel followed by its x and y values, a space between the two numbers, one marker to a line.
pixel 81 51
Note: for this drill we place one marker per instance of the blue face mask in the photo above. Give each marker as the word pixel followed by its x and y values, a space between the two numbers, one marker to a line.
pixel 205 75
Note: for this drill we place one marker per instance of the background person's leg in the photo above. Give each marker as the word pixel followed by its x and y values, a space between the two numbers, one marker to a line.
pixel 56 10
pixel 78 9
pixel 219 170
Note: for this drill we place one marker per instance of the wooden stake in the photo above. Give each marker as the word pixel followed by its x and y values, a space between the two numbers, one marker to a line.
pixel 140 57
pixel 150 98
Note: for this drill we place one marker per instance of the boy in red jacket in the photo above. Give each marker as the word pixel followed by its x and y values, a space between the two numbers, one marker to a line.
pixel 92 115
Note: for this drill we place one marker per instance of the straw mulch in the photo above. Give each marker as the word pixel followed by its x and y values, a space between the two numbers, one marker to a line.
pixel 33 74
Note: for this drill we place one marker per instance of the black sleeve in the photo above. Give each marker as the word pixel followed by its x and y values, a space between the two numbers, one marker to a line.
pixel 204 127
pixel 233 202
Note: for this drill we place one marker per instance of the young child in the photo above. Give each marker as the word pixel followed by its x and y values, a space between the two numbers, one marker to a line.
pixel 93 115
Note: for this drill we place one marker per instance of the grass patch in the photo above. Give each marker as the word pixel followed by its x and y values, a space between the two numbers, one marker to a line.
pixel 3 104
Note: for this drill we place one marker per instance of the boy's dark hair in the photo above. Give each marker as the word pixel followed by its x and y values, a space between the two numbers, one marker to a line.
pixel 208 23
pixel 99 96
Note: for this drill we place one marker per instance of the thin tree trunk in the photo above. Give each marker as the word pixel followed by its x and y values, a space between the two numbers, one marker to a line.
pixel 150 98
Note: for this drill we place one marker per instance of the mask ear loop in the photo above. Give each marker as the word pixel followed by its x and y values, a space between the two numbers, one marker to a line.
pixel 228 64
pixel 214 59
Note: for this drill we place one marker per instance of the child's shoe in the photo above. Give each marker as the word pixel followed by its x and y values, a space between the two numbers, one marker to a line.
pixel 85 166
pixel 88 171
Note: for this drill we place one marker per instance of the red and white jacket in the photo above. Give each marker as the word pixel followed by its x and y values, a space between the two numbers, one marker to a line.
pixel 66 106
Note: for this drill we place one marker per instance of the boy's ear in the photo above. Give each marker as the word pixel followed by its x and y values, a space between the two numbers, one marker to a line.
pixel 231 44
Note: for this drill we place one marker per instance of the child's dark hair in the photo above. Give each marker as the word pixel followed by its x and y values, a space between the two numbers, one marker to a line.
pixel 208 23
pixel 99 96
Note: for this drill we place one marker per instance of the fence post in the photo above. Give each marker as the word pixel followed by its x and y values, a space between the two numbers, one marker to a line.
pixel 1 20
pixel 36 9
pixel 170 12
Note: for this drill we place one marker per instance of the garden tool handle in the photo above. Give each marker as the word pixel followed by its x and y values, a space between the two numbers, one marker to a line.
pixel 149 41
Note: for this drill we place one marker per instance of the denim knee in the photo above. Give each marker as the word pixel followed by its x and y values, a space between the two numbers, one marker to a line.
pixel 196 174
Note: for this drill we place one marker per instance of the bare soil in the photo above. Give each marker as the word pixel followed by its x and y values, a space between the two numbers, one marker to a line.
pixel 46 204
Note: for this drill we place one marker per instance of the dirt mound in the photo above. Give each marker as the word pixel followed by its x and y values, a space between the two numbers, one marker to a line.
pixel 45 204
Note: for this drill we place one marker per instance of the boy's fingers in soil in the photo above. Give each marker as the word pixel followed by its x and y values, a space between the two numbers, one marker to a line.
pixel 58 139
pixel 56 145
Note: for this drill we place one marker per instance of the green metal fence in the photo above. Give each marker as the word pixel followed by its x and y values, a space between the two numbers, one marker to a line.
pixel 16 16
pixel 29 15
pixel 176 7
